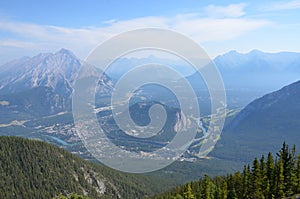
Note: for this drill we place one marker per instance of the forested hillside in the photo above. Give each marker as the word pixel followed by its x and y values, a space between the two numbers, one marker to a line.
pixel 35 169
pixel 275 176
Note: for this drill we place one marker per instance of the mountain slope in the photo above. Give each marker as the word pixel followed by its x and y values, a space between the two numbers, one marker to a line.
pixel 47 78
pixel 32 103
pixel 57 71
pixel 34 169
pixel 263 125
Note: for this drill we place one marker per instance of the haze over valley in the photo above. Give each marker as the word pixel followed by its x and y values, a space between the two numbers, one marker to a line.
pixel 136 99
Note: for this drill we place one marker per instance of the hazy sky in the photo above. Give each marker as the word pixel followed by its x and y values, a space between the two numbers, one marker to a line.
pixel 30 27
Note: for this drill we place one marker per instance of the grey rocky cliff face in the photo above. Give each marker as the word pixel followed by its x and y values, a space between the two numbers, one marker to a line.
pixel 56 73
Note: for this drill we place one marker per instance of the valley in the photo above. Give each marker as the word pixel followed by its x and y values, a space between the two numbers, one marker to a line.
pixel 149 99
pixel 41 109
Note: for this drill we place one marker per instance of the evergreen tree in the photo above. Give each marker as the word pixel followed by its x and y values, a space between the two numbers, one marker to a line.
pixel 266 179
pixel 293 173
pixel 297 171
pixel 288 160
pixel 238 184
pixel 270 181
pixel 218 181
pixel 224 190
pixel 246 182
pixel 188 194
pixel 279 179
pixel 263 173
pixel 256 182
pixel 231 189
pixel 207 187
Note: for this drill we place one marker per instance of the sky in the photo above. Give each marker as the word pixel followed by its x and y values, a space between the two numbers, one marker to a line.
pixel 30 27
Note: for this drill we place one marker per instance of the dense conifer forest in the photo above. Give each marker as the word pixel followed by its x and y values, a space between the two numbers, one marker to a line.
pixel 35 169
pixel 274 176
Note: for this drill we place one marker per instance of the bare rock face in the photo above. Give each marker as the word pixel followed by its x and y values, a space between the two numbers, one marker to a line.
pixel 45 80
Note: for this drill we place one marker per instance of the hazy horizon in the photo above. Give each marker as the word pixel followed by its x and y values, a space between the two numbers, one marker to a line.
pixel 27 28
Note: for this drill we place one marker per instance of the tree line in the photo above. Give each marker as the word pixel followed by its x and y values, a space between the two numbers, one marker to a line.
pixel 274 176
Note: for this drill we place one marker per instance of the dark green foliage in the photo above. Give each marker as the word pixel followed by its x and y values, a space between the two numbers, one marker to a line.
pixel 256 180
pixel 71 196
pixel 267 179
pixel 34 169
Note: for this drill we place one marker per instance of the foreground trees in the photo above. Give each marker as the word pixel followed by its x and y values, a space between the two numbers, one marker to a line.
pixel 274 177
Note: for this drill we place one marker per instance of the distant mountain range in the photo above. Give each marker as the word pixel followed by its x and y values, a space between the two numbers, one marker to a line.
pixel 35 100
pixel 251 75
pixel 246 76
pixel 254 70
pixel 258 70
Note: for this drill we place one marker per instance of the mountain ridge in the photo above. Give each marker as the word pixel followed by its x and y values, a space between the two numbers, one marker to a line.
pixel 55 72
pixel 262 125
pixel 35 169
